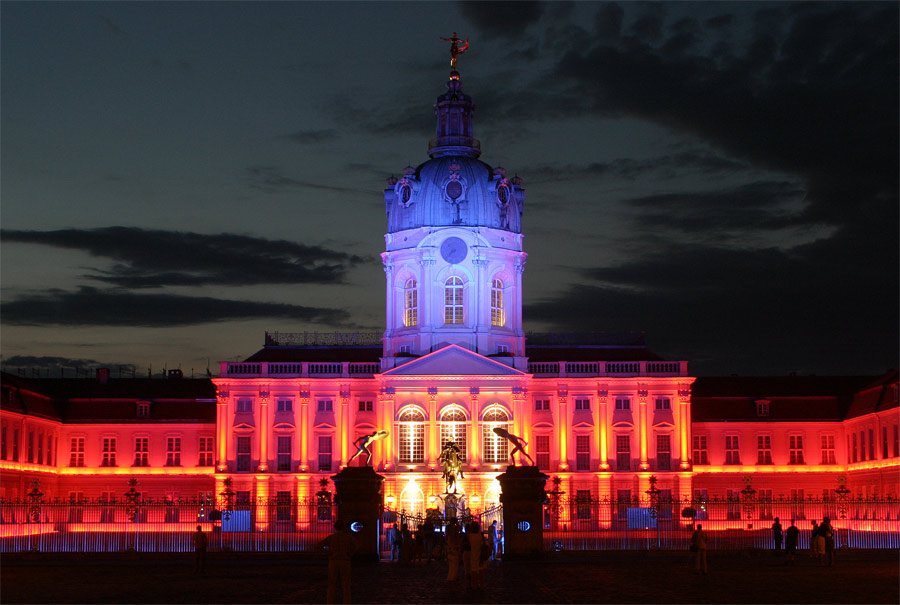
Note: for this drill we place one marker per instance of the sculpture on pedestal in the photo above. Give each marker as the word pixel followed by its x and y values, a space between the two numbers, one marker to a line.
pixel 362 445
pixel 517 441
pixel 452 463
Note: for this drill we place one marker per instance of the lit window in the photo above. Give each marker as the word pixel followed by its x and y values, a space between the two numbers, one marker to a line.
pixel 701 450
pixel 623 403
pixel 284 454
pixel 664 452
pixel 496 448
pixel 583 452
pixel 454 428
pixel 325 453
pixel 205 457
pixel 828 449
pixel 764 449
pixel 663 403
pixel 583 404
pixel 453 301
pixel 623 452
pixel 497 315
pixel 76 451
pixel 109 452
pixel 141 451
pixel 542 448
pixel 243 454
pixel 366 405
pixel 285 405
pixel 796 449
pixel 732 449
pixel 411 303
pixel 411 428
pixel 173 451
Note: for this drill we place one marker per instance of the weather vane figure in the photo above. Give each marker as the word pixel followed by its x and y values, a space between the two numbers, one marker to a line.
pixel 455 49
pixel 515 440
pixel 452 463
pixel 362 445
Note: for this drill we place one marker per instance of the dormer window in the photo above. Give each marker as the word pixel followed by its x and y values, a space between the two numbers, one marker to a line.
pixel 762 408
pixel 143 409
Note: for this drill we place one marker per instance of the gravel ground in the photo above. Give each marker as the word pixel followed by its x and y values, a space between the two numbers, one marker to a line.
pixel 611 577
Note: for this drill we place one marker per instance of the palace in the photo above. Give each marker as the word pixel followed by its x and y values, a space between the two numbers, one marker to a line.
pixel 602 413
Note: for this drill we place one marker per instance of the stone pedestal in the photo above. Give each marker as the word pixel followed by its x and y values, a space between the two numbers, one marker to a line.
pixel 522 498
pixel 358 499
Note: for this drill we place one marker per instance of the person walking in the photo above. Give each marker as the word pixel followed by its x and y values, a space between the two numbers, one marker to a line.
pixel 476 562
pixel 698 545
pixel 454 552
pixel 395 540
pixel 340 546
pixel 200 541
pixel 406 545
pixel 792 536
pixel 777 536
pixel 827 533
pixel 494 540
pixel 817 543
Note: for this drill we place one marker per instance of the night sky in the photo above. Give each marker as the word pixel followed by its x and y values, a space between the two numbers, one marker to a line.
pixel 179 178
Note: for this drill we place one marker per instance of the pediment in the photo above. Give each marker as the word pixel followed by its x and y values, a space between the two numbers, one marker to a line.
pixel 242 423
pixel 583 423
pixel 453 360
pixel 364 425
pixel 622 423
pixel 284 426
pixel 542 425
pixel 664 424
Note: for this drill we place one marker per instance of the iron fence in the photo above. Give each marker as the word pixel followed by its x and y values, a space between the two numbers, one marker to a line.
pixel 610 524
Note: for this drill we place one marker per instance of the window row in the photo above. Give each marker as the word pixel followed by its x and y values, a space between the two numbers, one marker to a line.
pixel 139 455
pixel 454 305
pixel 38 447
pixel 621 404
pixel 795 448
pixel 865 447
pixel 244 405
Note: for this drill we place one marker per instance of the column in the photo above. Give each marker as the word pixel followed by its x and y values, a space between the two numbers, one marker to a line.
pixel 643 429
pixel 474 456
pixel 222 428
pixel 563 426
pixel 304 425
pixel 344 425
pixel 263 429
pixel 684 417
pixel 432 452
pixel 601 434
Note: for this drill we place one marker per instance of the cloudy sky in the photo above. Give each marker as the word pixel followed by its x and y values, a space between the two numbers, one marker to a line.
pixel 178 178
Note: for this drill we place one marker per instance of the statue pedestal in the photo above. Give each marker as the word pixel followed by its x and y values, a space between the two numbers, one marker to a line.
pixel 358 499
pixel 523 499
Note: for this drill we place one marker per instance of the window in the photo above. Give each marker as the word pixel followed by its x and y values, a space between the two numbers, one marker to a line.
pixel 285 405
pixel 141 451
pixel 366 405
pixel 663 403
pixel 664 452
pixel 3 443
pixel 764 449
pixel 410 303
pixel 828 449
pixel 243 454
pixel 497 316
pixel 453 301
pixel 542 449
pixel 583 404
pixel 453 428
pixel 324 453
pixel 732 449
pixel 143 409
pixel 284 454
pixel 853 457
pixel 173 451
pixel 542 405
pixel 206 452
pixel 76 451
pixel 15 445
pixel 40 448
pixel 623 452
pixel 623 403
pixel 30 446
pixel 862 446
pixel 50 450
pixel 765 503
pixel 797 509
pixel 109 452
pixel 733 510
pixel 884 442
pixel 244 406
pixel 503 348
pixel 496 448
pixel 896 440
pixel 796 449
pixel 583 504
pixel 762 408
pixel 701 451
pixel 283 506
pixel 325 405
pixel 583 452
pixel 411 430
pixel 871 444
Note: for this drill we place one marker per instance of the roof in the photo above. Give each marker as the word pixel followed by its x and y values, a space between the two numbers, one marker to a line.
pixel 350 353
pixel 795 398
pixel 878 395
pixel 590 353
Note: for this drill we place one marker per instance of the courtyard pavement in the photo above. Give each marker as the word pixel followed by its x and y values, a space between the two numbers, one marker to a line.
pixel 609 577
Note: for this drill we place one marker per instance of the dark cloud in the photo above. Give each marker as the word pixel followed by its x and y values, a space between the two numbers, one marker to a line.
pixel 505 19
pixel 306 137
pixel 270 179
pixel 152 258
pixel 667 166
pixel 49 366
pixel 94 307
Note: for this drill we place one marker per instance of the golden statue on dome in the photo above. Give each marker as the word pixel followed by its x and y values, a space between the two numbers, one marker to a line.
pixel 456 50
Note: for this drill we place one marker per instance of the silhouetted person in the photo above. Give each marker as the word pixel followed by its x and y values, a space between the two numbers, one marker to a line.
pixel 395 540
pixel 340 546
pixel 428 539
pixel 454 551
pixel 200 544
pixel 827 533
pixel 777 536
pixel 816 543
pixel 476 563
pixel 792 536
pixel 494 539
pixel 698 544
pixel 407 545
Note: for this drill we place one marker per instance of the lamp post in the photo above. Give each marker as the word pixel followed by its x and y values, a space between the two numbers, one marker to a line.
pixel 842 494
pixel 228 494
pixel 34 498
pixel 747 495
pixel 131 498
pixel 653 492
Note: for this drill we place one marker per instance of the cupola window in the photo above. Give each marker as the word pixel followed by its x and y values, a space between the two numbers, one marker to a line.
pixel 411 303
pixel 453 301
pixel 497 316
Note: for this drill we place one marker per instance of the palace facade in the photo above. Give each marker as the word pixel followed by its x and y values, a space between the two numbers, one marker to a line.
pixel 603 413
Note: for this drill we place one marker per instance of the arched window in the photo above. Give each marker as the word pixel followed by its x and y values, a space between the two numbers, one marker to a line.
pixel 453 301
pixel 411 430
pixel 495 447
pixel 412 500
pixel 410 303
pixel 497 316
pixel 454 428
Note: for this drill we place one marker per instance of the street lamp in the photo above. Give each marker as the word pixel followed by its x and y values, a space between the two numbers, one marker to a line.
pixel 842 494
pixel 747 495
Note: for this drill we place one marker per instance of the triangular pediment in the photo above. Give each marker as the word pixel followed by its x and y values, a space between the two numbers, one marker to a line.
pixel 453 360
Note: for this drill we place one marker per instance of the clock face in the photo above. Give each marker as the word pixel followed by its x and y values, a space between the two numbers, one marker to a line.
pixel 453 250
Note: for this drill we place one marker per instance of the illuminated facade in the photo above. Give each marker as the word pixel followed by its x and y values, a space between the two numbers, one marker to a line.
pixel 602 414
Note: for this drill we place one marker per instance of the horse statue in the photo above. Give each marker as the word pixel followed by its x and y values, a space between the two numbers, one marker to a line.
pixel 451 460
